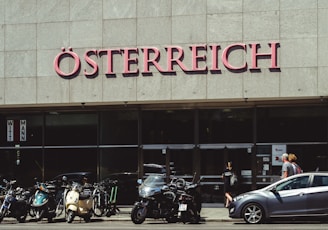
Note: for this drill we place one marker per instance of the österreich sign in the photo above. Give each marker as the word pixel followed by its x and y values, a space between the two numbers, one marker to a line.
pixel 203 58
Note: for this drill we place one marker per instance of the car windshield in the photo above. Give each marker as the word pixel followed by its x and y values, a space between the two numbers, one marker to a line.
pixel 154 180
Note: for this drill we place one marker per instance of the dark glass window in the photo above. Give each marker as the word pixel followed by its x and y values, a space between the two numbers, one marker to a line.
pixel 182 161
pixel 226 126
pixel 58 161
pixel 310 157
pixel 292 124
pixel 319 181
pixel 119 127
pixel 154 156
pixel 169 126
pixel 71 129
pixel 118 160
pixel 25 170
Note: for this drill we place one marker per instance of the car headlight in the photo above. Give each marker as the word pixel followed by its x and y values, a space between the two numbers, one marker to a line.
pixel 239 197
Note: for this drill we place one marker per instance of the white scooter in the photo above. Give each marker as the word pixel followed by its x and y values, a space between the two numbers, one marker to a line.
pixel 79 202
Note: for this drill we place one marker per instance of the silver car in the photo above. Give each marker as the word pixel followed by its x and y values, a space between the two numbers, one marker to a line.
pixel 301 195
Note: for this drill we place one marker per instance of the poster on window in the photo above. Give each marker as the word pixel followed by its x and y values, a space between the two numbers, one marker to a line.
pixel 16 130
pixel 277 151
pixel 10 130
pixel 22 130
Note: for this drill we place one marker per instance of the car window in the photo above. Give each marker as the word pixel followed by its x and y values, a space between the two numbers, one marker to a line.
pixel 320 181
pixel 294 183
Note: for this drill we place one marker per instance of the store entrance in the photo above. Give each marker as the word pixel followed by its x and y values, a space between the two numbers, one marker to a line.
pixel 213 162
pixel 178 160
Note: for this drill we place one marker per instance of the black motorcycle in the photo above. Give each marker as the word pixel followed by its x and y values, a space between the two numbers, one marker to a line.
pixel 158 200
pixel 15 203
pixel 189 204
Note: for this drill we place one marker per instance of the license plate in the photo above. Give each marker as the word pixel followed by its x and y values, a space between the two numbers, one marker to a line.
pixel 182 207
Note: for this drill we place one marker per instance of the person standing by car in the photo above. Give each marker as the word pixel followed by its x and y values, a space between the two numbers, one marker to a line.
pixel 228 175
pixel 287 168
pixel 292 158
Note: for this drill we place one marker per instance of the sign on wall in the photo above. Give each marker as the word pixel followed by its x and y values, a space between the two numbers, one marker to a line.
pixel 16 130
pixel 203 58
pixel 277 151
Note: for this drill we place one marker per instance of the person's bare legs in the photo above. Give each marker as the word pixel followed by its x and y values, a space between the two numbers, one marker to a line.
pixel 228 199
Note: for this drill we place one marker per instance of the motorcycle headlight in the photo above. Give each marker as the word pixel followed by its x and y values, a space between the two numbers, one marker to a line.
pixel 145 192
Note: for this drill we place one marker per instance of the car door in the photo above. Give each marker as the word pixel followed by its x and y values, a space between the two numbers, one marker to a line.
pixel 318 195
pixel 289 197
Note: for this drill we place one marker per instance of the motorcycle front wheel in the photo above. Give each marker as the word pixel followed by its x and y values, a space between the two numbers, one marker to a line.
pixel 22 218
pixel 171 219
pixel 39 214
pixel 138 215
pixel 70 216
pixel 87 218
pixel 2 215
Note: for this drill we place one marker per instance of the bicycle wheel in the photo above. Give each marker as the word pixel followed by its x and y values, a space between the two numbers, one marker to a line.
pixel 60 207
pixel 98 209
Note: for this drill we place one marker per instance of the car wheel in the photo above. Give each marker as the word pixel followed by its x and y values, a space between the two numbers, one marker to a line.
pixel 253 213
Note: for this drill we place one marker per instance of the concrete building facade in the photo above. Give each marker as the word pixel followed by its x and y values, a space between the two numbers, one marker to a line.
pixel 99 56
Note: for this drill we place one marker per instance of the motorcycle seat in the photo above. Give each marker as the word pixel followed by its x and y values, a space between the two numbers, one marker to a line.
pixel 84 197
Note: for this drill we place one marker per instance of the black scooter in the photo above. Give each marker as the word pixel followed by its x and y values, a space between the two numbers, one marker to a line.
pixel 189 204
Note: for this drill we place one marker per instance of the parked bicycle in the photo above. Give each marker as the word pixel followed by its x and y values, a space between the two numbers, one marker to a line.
pixel 104 196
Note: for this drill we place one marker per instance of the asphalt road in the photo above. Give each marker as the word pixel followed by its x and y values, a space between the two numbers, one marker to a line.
pixel 157 224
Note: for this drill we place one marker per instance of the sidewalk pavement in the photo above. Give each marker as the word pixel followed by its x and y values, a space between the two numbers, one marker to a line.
pixel 210 212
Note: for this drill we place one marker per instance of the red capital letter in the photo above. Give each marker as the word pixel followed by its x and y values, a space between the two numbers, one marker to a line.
pixel 196 58
pixel 110 53
pixel 178 60
pixel 91 62
pixel 153 61
pixel 63 54
pixel 272 55
pixel 129 61
pixel 226 53
pixel 215 50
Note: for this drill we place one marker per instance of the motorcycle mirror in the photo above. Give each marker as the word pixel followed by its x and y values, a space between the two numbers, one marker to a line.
pixel 139 181
pixel 165 188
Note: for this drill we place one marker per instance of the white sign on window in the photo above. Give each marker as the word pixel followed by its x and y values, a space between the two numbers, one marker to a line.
pixel 22 130
pixel 277 151
pixel 10 130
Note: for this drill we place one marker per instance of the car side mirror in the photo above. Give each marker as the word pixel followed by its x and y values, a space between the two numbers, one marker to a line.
pixel 274 189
